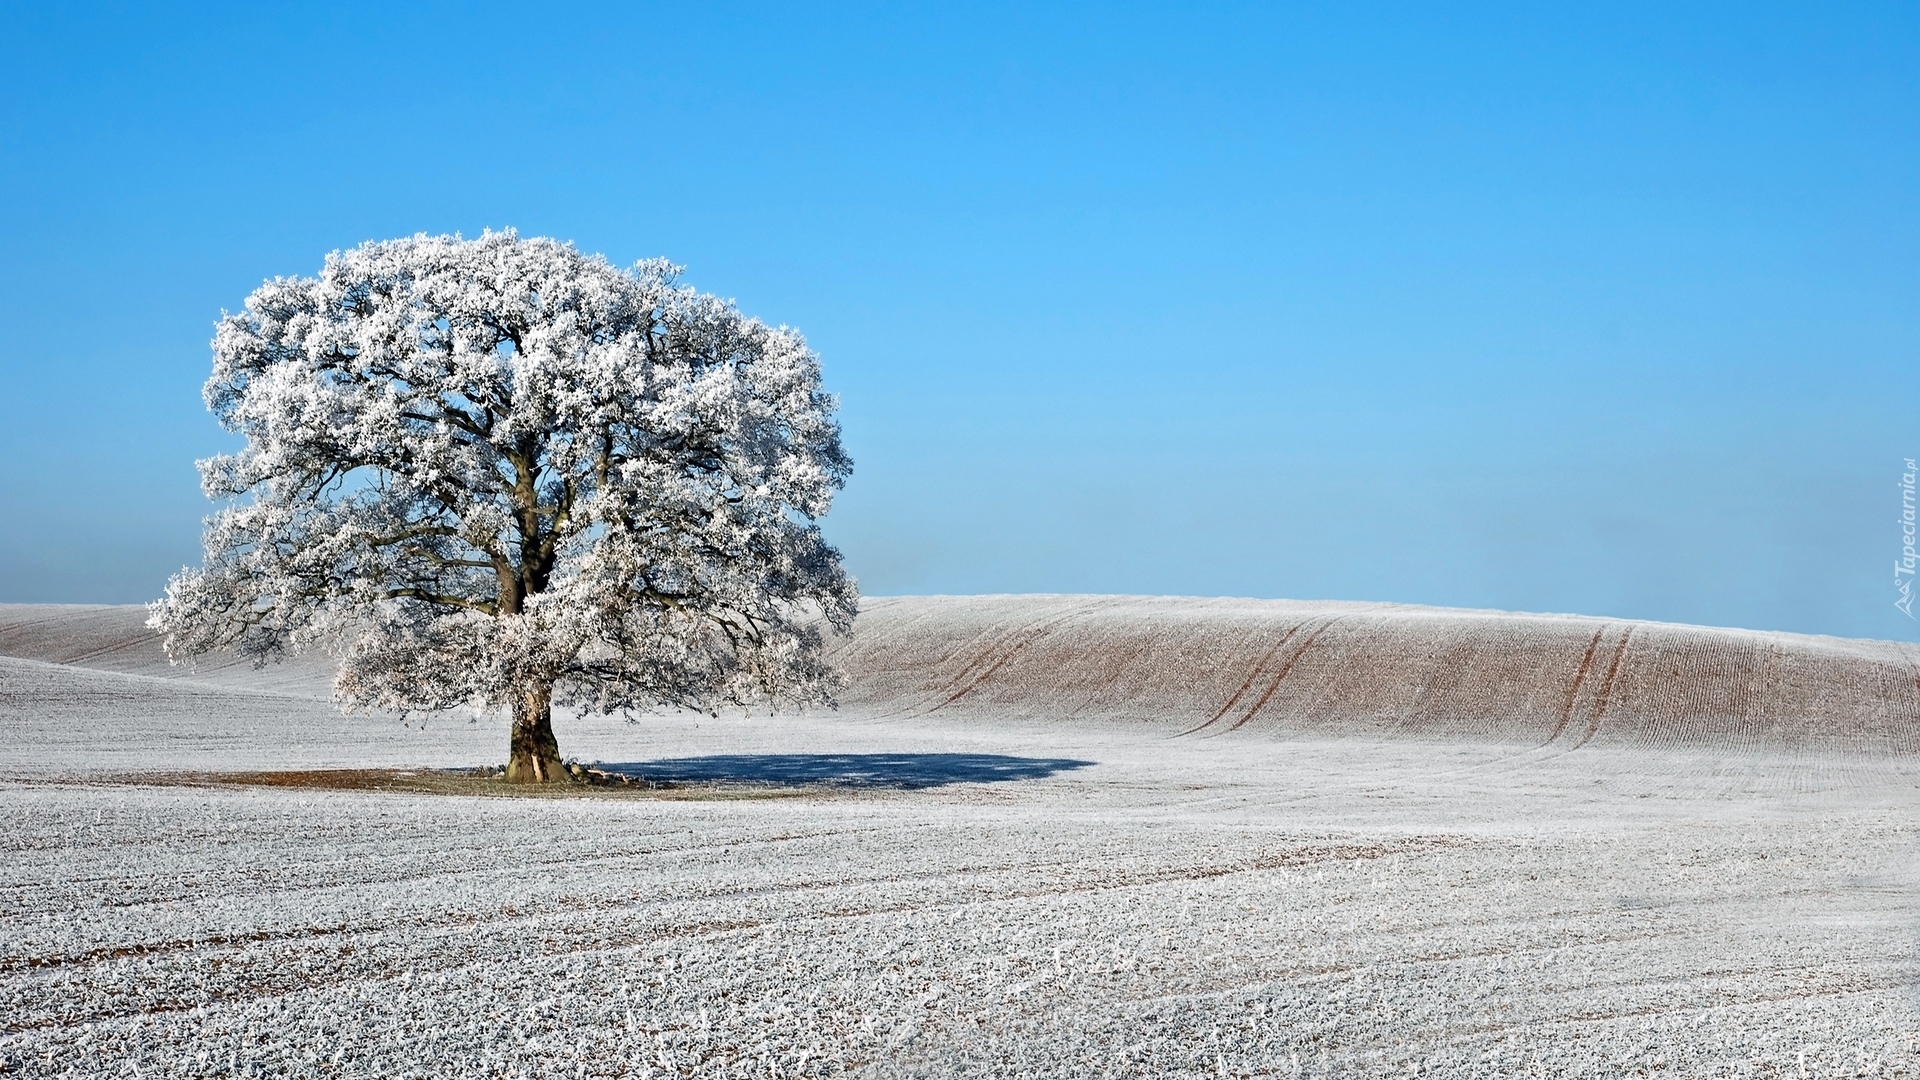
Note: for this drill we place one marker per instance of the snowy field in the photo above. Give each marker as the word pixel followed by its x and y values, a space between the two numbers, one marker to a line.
pixel 945 881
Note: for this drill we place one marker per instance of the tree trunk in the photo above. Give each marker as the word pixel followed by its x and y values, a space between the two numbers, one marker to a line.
pixel 533 754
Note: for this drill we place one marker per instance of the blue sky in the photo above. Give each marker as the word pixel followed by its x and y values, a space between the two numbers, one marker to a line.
pixel 1614 311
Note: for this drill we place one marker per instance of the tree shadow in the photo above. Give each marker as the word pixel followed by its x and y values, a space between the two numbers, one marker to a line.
pixel 905 771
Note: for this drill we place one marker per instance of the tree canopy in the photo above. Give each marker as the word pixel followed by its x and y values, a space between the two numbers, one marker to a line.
pixel 498 472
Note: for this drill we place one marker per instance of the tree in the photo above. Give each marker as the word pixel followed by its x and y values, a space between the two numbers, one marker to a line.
pixel 500 473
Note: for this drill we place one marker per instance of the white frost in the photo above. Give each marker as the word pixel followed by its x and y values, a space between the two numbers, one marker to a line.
pixel 475 466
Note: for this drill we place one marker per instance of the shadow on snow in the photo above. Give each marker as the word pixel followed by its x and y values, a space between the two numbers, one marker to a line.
pixel 849 770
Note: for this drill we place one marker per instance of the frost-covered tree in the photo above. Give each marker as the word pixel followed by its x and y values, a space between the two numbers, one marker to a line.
pixel 500 473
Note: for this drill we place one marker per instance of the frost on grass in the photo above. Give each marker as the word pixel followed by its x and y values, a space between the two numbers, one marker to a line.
pixel 1660 893
pixel 1315 910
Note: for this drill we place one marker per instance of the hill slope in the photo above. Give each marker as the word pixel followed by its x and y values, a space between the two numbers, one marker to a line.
pixel 115 638
pixel 1292 668
pixel 1213 666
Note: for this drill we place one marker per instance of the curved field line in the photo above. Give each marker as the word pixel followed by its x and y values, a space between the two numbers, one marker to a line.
pixel 1021 639
pixel 1294 857
pixel 1285 670
pixel 1606 689
pixel 1573 691
pixel 988 652
pixel 994 644
pixel 112 639
pixel 1027 636
pixel 1252 677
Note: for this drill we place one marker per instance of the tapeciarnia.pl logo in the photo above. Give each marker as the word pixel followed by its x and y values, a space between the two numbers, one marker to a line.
pixel 1903 566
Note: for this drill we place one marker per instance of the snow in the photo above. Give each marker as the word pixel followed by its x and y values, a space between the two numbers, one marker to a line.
pixel 1054 884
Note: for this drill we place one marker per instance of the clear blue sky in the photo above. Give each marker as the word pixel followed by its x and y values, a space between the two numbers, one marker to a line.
pixel 1601 308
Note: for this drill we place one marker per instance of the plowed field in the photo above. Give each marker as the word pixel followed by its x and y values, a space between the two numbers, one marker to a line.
pixel 1046 836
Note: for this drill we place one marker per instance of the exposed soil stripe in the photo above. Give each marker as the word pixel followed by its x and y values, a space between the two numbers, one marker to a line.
pixel 1285 669
pixel 1032 634
pixel 1176 665
pixel 1573 689
pixel 1606 689
pixel 1252 677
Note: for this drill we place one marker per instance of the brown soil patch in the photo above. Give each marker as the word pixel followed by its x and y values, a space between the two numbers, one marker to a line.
pixel 591 783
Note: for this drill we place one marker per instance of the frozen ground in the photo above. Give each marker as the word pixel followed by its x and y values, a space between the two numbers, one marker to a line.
pixel 926 886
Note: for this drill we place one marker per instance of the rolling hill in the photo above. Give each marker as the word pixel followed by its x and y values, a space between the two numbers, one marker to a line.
pixel 1206 667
